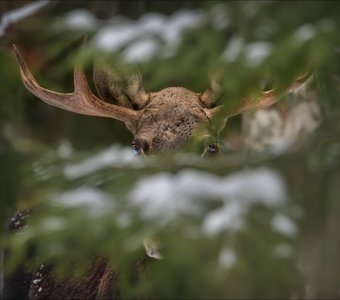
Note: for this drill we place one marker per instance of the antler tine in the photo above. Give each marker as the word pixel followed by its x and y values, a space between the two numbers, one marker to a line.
pixel 264 100
pixel 81 101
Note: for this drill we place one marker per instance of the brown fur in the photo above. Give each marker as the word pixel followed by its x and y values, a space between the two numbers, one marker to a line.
pixel 169 119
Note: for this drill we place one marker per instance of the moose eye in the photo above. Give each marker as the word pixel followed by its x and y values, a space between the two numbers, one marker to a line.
pixel 137 149
pixel 212 148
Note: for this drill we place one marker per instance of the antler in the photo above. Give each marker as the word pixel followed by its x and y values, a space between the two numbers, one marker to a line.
pixel 264 100
pixel 81 101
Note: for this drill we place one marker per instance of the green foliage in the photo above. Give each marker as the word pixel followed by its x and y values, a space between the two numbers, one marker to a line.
pixel 86 195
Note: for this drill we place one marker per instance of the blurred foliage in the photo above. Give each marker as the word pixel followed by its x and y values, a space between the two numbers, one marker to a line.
pixel 39 143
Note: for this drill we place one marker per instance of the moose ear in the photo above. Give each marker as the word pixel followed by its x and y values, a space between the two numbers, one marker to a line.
pixel 115 88
pixel 136 91
pixel 109 85
pixel 209 96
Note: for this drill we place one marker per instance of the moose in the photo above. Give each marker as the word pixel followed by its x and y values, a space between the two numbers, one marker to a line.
pixel 159 121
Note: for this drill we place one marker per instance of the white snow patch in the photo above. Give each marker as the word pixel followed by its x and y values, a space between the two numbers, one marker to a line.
pixel 284 225
pixel 233 49
pixel 257 52
pixel 152 23
pixel 143 37
pixel 164 196
pixel 227 217
pixel 18 14
pixel 227 258
pixel 65 149
pixel 180 21
pixel 113 156
pixel 267 130
pixel 263 129
pixel 112 38
pixel 84 197
pixel 303 120
pixel 142 50
pixel 80 19
pixel 305 32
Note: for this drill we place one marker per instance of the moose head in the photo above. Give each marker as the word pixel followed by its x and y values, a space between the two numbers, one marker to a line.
pixel 159 121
